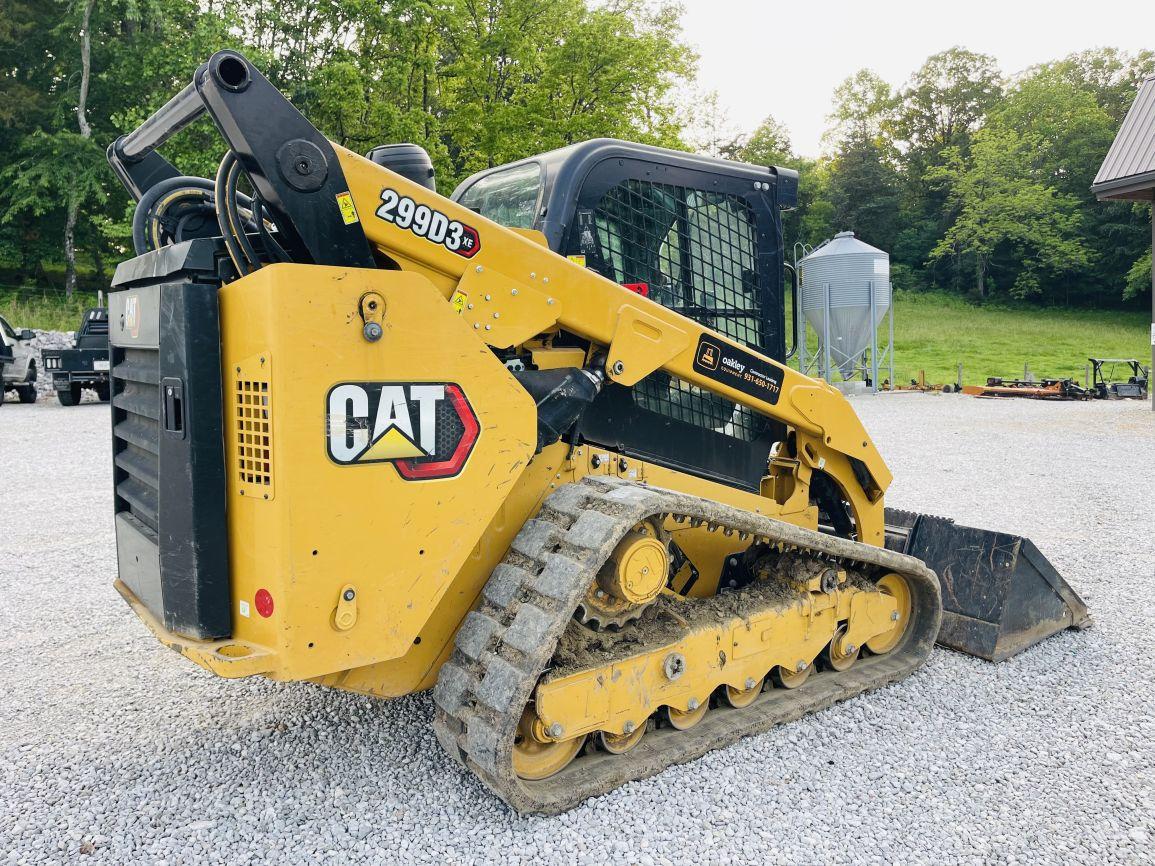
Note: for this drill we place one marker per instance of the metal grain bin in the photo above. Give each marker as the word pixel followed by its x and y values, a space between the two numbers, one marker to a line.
pixel 857 277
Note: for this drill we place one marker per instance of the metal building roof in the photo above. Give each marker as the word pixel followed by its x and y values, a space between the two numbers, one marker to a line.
pixel 1128 172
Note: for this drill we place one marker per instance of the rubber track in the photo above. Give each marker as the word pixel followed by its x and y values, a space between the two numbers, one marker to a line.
pixel 504 646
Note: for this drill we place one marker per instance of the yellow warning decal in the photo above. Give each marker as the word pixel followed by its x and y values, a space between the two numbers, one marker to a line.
pixel 348 209
pixel 578 260
pixel 458 300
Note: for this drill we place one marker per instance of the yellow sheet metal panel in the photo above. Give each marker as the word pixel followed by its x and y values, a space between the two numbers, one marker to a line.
pixel 355 451
pixel 418 668
pixel 558 464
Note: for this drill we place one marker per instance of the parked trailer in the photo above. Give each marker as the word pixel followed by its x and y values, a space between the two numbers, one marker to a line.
pixel 86 364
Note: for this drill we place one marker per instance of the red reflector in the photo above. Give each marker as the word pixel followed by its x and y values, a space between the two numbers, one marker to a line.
pixel 642 289
pixel 412 470
pixel 264 602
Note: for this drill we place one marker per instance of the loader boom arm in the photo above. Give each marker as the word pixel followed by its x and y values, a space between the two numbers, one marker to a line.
pixel 514 288
pixel 334 207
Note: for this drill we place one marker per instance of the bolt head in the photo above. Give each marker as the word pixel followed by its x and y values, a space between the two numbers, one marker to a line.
pixel 618 368
pixel 894 616
pixel 693 704
pixel 629 727
pixel 513 291
pixel 750 682
pixel 733 560
pixel 549 302
pixel 555 730
pixel 372 332
pixel 800 667
pixel 851 650
pixel 349 595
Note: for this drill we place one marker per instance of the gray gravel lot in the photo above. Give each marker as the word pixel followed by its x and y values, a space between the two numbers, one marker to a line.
pixel 115 747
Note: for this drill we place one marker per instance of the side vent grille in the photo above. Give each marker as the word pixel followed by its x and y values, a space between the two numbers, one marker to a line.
pixel 136 431
pixel 253 428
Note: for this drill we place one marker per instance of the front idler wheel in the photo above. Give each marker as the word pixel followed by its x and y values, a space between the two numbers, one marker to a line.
pixel 535 755
pixel 895 586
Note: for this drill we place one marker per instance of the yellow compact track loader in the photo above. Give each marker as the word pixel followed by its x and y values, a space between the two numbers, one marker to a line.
pixel 534 446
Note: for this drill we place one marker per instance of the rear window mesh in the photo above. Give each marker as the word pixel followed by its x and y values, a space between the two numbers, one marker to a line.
pixel 696 251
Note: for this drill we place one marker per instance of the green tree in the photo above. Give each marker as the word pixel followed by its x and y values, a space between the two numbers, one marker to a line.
pixel 816 218
pixel 940 108
pixel 863 109
pixel 768 144
pixel 1138 281
pixel 523 76
pixel 1002 201
pixel 945 102
pixel 811 220
pixel 865 190
pixel 79 87
pixel 1073 109
pixel 28 77
pixel 1111 76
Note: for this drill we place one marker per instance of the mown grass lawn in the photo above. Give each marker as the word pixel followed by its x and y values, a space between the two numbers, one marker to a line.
pixel 936 332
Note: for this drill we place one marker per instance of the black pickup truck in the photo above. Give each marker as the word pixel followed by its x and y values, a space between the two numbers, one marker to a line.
pixel 86 364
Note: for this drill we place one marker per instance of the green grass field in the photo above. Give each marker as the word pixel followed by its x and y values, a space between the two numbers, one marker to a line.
pixel 47 313
pixel 936 332
pixel 932 332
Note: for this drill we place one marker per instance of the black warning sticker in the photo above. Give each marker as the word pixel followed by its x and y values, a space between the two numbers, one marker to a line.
pixel 738 368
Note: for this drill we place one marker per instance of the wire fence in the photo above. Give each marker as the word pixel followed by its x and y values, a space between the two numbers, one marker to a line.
pixel 25 292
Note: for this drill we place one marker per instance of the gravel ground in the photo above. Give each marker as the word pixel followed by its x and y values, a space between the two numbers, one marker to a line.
pixel 114 747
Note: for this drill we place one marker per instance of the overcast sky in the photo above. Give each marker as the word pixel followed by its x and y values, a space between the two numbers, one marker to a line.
pixel 763 60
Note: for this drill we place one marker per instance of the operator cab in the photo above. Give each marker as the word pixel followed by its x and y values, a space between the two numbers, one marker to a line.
pixel 698 235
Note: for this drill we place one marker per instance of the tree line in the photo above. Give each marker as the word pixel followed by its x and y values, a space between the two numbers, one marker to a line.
pixel 976 184
pixel 973 183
